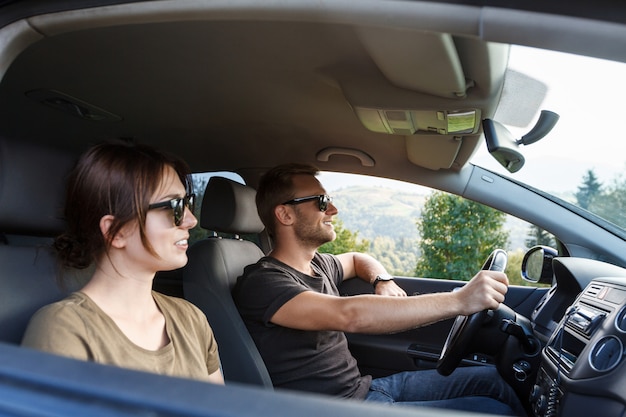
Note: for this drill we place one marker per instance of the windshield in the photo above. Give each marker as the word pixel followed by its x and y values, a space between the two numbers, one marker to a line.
pixel 581 160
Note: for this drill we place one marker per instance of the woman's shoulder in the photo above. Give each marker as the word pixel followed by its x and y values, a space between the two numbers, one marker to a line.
pixel 55 321
pixel 68 306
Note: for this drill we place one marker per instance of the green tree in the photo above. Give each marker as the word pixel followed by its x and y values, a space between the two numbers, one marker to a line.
pixel 514 268
pixel 611 203
pixel 398 255
pixel 538 236
pixel 457 236
pixel 588 190
pixel 346 241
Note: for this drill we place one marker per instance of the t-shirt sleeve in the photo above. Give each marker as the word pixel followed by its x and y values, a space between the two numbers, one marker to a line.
pixel 58 329
pixel 264 291
pixel 330 263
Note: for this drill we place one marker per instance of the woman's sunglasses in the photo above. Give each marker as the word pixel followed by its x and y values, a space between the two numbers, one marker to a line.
pixel 322 200
pixel 178 206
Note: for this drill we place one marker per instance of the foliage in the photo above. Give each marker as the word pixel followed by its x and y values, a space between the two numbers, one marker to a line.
pixel 457 236
pixel 537 236
pixel 378 211
pixel 398 256
pixel 346 241
pixel 610 202
pixel 588 190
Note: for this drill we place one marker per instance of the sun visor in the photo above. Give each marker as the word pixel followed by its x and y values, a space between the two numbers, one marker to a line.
pixel 433 151
pixel 406 59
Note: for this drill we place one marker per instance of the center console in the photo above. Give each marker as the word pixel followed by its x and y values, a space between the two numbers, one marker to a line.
pixel 582 368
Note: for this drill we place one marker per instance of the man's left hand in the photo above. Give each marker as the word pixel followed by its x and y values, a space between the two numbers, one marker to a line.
pixel 389 288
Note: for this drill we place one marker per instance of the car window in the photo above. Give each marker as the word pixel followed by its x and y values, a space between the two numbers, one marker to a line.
pixel 416 231
pixel 200 181
pixel 579 161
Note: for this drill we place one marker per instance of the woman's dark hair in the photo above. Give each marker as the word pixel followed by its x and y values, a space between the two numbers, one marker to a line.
pixel 113 178
pixel 276 187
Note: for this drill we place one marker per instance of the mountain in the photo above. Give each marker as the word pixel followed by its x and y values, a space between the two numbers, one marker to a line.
pixel 379 211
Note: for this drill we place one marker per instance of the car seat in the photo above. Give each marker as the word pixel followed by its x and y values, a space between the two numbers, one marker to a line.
pixel 212 270
pixel 32 184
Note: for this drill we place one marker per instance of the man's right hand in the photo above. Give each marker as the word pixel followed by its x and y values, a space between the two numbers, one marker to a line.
pixel 486 290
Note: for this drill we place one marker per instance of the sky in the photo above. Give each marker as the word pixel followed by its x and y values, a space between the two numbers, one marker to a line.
pixel 590 97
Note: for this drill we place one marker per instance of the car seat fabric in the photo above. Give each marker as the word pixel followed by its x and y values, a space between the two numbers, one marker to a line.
pixel 212 270
pixel 32 189
pixel 31 202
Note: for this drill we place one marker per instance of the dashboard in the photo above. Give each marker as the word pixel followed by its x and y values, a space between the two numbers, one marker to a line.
pixel 582 321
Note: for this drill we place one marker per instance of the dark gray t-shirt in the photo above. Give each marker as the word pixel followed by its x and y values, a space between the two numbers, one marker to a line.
pixel 313 361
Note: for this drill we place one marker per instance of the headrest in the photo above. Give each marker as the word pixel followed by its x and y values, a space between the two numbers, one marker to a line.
pixel 32 188
pixel 229 207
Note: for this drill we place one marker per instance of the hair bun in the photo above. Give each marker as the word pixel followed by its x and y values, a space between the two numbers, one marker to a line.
pixel 72 252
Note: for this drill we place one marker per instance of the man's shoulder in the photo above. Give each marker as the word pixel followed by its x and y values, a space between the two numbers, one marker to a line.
pixel 264 267
pixel 326 260
pixel 267 264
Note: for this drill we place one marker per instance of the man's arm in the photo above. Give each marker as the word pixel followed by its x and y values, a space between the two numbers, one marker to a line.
pixel 363 266
pixel 383 314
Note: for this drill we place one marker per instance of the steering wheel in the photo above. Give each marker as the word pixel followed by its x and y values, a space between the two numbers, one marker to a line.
pixel 465 327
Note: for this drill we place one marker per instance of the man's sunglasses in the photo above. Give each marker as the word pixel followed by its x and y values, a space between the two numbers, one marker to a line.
pixel 322 201
pixel 178 205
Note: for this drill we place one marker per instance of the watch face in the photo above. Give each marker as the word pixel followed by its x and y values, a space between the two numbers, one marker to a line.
pixel 382 277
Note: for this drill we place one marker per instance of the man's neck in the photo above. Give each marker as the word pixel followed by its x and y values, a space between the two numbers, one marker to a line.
pixel 296 257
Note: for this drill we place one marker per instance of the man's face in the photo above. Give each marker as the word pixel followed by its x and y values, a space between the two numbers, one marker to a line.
pixel 312 226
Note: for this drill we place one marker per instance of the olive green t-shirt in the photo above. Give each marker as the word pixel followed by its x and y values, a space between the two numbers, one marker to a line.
pixel 78 328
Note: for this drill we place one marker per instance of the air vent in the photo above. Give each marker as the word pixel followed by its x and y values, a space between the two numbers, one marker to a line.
pixel 606 354
pixel 620 320
pixel 593 290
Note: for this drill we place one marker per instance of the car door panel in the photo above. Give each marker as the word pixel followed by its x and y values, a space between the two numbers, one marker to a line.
pixel 415 349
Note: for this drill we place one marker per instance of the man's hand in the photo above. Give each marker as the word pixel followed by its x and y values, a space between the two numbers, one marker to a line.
pixel 389 288
pixel 485 291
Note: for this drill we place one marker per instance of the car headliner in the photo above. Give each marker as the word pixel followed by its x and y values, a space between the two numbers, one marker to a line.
pixel 242 86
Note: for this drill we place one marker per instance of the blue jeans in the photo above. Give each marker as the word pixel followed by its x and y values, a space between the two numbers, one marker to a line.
pixel 477 389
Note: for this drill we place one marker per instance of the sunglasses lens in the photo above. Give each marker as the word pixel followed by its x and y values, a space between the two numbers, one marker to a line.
pixel 190 201
pixel 323 202
pixel 179 211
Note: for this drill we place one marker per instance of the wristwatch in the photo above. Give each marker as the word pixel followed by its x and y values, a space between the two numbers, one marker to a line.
pixel 381 277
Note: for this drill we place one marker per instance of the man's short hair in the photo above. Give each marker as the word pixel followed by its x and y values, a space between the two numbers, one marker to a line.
pixel 276 187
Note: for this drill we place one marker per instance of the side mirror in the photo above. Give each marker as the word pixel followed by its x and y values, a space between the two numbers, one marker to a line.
pixel 537 265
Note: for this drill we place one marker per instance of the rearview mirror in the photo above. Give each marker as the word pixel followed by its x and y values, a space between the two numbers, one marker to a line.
pixel 502 146
pixel 505 148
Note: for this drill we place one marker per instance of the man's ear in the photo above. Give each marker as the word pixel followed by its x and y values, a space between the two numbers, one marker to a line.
pixel 284 215
pixel 118 241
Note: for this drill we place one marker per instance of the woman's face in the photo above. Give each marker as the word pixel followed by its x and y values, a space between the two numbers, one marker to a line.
pixel 170 242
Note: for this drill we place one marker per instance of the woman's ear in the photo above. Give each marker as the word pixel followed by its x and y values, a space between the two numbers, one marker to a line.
pixel 118 241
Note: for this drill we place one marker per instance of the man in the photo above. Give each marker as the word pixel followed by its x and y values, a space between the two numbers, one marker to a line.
pixel 291 305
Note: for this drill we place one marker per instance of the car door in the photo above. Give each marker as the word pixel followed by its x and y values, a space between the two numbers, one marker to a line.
pixel 380 355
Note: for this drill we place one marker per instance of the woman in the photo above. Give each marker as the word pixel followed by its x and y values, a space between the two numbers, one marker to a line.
pixel 129 212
